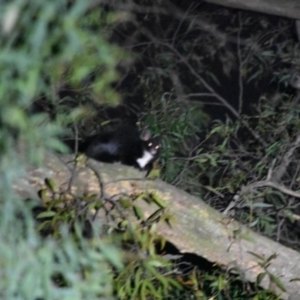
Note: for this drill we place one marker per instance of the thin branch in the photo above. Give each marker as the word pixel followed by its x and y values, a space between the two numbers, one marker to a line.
pixel 240 69
pixel 170 10
pixel 272 184
pixel 259 184
pixel 218 96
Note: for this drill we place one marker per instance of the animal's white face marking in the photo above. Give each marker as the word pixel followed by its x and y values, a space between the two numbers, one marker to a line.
pixel 145 159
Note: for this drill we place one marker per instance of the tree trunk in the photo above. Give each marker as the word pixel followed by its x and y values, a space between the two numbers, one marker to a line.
pixel 197 228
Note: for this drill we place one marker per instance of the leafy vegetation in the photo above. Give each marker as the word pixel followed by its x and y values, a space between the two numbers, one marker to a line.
pixel 150 271
pixel 240 77
pixel 43 46
pixel 59 63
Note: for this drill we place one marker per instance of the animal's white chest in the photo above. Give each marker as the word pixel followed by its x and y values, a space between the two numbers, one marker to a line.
pixel 145 159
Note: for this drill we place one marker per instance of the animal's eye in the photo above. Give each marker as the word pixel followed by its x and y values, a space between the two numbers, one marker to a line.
pixel 157 147
pixel 150 144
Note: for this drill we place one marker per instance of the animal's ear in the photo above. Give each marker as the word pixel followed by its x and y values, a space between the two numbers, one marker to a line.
pixel 145 135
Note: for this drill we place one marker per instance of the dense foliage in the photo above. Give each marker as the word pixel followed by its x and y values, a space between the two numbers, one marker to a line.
pixel 43 45
pixel 239 76
pixel 58 63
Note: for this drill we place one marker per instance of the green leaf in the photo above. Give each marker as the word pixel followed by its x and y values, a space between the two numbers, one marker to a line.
pixel 155 173
pixel 46 214
pixel 272 257
pixel 155 216
pixel 125 203
pixel 137 282
pixel 256 255
pixel 123 224
pixel 278 282
pixel 156 263
pixel 153 290
pixel 158 200
pixel 138 212
pixel 260 277
pixel 50 183
pixel 112 255
pixel 261 205
pixel 15 117
pixel 43 195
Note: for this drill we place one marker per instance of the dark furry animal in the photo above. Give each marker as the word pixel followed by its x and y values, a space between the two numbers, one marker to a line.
pixel 126 144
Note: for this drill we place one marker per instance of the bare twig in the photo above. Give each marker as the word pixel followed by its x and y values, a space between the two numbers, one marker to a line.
pixel 239 55
pixel 264 183
pixel 272 184
pixel 169 9
pixel 218 96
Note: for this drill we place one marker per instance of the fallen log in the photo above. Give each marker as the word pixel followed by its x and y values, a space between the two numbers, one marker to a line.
pixel 197 228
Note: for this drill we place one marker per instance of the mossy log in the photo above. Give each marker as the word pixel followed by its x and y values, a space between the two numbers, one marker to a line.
pixel 197 228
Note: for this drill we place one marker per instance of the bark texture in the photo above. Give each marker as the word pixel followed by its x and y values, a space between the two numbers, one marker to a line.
pixel 197 228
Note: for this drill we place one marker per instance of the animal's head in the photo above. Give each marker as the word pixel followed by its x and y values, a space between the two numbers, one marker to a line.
pixel 152 144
